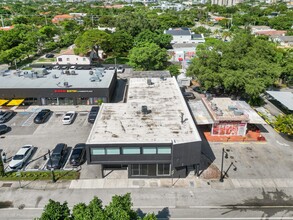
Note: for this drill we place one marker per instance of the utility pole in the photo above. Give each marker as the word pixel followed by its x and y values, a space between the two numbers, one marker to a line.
pixel 92 20
pixel 46 20
pixel 2 20
pixel 52 170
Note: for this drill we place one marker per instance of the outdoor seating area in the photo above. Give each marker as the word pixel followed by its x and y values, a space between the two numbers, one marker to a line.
pixel 250 136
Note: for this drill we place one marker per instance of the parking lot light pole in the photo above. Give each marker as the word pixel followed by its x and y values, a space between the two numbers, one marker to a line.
pixel 222 164
pixel 52 170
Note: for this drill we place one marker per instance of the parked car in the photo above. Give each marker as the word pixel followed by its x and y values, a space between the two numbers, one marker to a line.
pixel 188 95
pixel 111 68
pixel 5 116
pixel 68 118
pixel 21 157
pixel 57 157
pixel 4 129
pixel 93 114
pixel 198 89
pixel 72 67
pixel 42 116
pixel 78 155
pixel 120 69
pixel 49 55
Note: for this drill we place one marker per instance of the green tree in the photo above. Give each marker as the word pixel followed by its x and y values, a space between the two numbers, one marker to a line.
pixel 284 124
pixel 94 211
pixel 245 66
pixel 120 208
pixel 55 211
pixel 174 70
pixel 89 40
pixel 147 57
pixel 163 40
pixel 120 42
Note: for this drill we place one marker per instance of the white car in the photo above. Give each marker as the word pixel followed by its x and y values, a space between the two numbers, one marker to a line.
pixel 21 157
pixel 68 117
pixel 120 69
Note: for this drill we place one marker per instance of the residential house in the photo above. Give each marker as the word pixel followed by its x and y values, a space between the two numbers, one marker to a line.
pixel 184 35
pixel 59 18
pixel 284 41
pixel 226 2
pixel 6 28
pixel 68 57
pixel 184 44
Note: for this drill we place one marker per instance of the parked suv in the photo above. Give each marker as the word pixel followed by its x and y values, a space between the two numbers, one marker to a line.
pixel 93 114
pixel 57 157
pixel 5 116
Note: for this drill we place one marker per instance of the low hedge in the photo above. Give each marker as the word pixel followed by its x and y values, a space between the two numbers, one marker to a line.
pixel 40 175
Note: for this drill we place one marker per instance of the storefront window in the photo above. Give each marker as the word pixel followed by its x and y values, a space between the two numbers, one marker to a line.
pixel 98 151
pixel 113 151
pixel 82 101
pixel 149 150
pixel 163 169
pixel 130 150
pixel 164 150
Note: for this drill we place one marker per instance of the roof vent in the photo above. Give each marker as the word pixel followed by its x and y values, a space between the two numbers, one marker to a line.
pixel 66 84
pixel 91 72
pixel 145 110
pixel 149 82
pixel 232 108
pixel 238 112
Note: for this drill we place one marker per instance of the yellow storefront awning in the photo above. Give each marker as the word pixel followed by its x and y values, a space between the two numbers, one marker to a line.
pixel 15 102
pixel 3 101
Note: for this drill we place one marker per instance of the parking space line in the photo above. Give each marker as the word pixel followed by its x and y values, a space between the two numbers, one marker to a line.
pixel 29 121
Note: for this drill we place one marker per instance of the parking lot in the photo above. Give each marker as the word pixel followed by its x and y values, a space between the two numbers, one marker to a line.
pixel 43 137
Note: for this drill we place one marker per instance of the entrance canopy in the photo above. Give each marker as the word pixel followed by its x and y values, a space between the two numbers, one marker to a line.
pixel 3 101
pixel 15 102
pixel 286 98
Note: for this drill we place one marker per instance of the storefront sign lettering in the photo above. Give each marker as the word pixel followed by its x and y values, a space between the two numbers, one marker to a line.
pixel 70 91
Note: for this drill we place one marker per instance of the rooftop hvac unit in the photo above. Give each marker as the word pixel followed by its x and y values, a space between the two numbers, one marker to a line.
pixel 238 112
pixel 66 84
pixel 219 112
pixel 145 110
pixel 232 107
pixel 149 82
pixel 55 76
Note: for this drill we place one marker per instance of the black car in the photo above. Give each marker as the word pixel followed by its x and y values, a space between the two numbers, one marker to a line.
pixel 188 95
pixel 93 114
pixel 49 55
pixel 78 155
pixel 57 157
pixel 5 116
pixel 42 116
pixel 4 129
pixel 199 90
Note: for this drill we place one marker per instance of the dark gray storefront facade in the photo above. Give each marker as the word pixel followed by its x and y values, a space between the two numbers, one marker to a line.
pixel 147 160
pixel 60 95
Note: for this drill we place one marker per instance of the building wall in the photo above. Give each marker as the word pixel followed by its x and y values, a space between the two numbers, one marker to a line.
pixel 72 93
pixel 178 161
pixel 181 39
pixel 72 60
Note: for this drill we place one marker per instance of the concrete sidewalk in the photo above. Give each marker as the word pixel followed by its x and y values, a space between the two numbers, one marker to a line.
pixel 190 182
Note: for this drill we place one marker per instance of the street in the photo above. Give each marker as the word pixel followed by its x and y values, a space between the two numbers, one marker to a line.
pixel 166 203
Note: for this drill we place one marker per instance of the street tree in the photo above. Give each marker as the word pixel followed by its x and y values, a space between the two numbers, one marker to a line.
pixel 148 56
pixel 55 211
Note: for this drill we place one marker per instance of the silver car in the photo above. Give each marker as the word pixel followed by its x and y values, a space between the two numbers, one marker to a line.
pixel 21 157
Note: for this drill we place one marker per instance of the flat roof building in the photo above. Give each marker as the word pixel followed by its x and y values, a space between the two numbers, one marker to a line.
pixel 58 87
pixel 153 134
